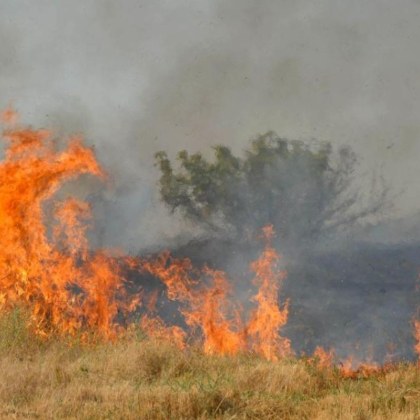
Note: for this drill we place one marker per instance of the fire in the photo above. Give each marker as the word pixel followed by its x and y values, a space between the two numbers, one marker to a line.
pixel 71 289
pixel 267 319
pixel 205 307
pixel 50 269
pixel 348 368
pixel 9 116
pixel 156 328
pixel 206 294
pixel 223 334
pixel 323 358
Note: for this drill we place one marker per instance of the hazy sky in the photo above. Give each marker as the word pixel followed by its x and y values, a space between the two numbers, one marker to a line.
pixel 139 76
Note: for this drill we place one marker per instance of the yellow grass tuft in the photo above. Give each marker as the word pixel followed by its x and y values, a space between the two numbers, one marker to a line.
pixel 141 378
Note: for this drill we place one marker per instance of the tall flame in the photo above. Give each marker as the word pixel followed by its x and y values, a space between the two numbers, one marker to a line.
pixel 66 286
pixel 205 295
pixel 205 307
pixel 71 289
pixel 268 317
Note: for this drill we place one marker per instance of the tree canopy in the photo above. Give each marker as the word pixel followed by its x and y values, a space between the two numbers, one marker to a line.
pixel 303 190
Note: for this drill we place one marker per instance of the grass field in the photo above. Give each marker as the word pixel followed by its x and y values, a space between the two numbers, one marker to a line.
pixel 140 378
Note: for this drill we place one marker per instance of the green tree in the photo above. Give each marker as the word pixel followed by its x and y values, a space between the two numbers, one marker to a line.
pixel 304 191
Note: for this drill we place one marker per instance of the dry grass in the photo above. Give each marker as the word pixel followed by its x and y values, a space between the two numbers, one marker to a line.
pixel 138 378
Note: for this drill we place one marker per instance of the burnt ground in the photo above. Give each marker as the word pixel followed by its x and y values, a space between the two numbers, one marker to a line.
pixel 359 299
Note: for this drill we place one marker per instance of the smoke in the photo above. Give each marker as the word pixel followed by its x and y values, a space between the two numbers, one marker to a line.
pixel 142 76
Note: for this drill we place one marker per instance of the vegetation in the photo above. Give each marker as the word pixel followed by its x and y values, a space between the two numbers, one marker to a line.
pixel 139 378
pixel 305 191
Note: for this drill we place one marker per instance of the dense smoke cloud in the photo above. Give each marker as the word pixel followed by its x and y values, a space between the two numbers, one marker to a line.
pixel 139 76
pixel 136 77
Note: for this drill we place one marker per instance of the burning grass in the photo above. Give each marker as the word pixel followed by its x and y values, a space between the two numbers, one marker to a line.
pixel 137 377
pixel 70 289
pixel 70 348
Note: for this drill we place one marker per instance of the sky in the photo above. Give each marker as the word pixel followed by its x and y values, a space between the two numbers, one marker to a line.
pixel 139 76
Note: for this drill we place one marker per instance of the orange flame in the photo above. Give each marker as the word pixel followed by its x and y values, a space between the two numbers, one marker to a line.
pixel 267 319
pixel 9 116
pixel 70 289
pixel 222 334
pixel 206 307
pixel 156 328
pixel 350 368
pixel 323 358
pixel 67 287
pixel 209 308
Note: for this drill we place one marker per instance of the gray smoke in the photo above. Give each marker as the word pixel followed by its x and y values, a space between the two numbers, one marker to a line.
pixel 139 76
